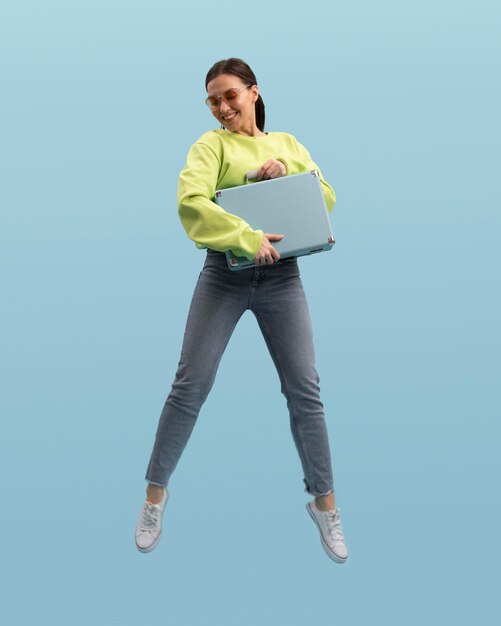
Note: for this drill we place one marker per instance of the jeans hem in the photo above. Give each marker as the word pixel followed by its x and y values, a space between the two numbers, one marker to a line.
pixel 151 482
pixel 314 492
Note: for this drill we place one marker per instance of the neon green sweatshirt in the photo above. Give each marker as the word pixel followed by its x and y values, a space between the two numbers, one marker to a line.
pixel 221 159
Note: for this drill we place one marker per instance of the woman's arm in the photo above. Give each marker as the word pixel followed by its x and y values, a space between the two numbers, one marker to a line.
pixel 204 221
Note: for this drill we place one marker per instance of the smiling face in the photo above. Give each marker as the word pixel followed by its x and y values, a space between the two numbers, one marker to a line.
pixel 239 114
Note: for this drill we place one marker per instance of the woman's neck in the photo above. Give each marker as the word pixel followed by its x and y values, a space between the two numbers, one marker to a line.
pixel 253 131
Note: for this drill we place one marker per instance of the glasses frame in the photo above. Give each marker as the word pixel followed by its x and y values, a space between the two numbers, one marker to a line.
pixel 222 97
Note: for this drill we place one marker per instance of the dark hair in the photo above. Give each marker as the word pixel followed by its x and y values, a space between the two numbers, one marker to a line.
pixel 241 70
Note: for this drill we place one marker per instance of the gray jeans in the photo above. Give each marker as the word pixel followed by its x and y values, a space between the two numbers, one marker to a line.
pixel 274 293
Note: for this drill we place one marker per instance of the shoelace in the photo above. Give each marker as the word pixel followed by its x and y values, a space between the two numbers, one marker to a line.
pixel 149 518
pixel 334 526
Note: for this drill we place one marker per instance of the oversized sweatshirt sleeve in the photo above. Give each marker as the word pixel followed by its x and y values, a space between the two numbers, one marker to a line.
pixel 299 160
pixel 206 223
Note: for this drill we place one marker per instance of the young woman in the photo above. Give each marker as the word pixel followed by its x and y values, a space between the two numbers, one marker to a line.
pixel 271 289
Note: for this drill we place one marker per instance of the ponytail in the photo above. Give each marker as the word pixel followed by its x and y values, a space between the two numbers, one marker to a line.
pixel 260 113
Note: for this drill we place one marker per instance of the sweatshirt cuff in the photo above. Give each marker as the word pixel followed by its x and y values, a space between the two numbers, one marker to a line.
pixel 252 241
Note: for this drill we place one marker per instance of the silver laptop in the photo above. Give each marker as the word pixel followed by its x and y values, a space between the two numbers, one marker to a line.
pixel 290 205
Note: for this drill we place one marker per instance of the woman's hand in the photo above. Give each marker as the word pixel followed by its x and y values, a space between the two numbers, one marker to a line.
pixel 267 253
pixel 271 169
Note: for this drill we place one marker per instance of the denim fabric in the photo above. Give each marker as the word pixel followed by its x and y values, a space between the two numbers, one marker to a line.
pixel 274 293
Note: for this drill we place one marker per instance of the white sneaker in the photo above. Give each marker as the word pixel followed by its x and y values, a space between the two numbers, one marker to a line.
pixel 149 526
pixel 331 535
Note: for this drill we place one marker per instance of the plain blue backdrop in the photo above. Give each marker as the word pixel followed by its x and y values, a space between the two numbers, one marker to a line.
pixel 398 102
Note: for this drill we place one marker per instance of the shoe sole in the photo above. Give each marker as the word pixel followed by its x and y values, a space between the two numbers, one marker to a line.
pixel 329 553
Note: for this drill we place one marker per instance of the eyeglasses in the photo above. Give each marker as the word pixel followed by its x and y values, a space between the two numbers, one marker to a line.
pixel 213 102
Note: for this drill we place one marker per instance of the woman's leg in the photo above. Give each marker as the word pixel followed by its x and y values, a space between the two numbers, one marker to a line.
pixel 282 313
pixel 217 304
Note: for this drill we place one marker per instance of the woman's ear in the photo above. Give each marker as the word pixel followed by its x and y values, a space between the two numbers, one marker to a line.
pixel 255 92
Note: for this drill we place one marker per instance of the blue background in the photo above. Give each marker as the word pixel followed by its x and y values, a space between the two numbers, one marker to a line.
pixel 398 102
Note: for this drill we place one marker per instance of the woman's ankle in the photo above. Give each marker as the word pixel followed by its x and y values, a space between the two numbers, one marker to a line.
pixel 326 502
pixel 154 493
